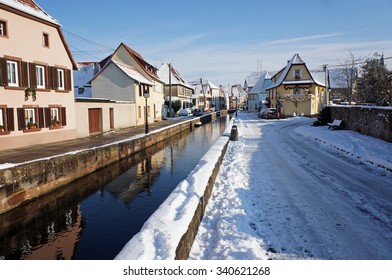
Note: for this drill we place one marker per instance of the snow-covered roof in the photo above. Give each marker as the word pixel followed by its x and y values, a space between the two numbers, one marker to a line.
pixel 132 73
pixel 85 74
pixel 31 8
pixel 211 85
pixel 175 78
pixel 259 86
pixel 296 60
pixel 252 79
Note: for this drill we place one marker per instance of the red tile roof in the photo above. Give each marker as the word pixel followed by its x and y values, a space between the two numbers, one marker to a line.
pixel 147 67
pixel 30 3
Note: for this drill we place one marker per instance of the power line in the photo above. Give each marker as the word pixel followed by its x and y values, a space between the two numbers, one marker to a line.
pixel 87 40
pixel 87 53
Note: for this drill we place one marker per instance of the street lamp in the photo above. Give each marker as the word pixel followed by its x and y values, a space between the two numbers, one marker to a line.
pixel 146 95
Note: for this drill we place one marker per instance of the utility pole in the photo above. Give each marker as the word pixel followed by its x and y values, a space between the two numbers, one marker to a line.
pixel 326 84
pixel 170 95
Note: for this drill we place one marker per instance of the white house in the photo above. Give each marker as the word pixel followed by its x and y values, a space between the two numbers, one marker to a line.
pixel 117 97
pixel 258 94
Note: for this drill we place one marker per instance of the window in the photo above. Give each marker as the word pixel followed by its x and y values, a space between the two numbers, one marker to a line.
pixel 3 28
pixel 298 91
pixel 40 74
pixel 6 119
pixel 297 74
pixel 60 79
pixel 30 118
pixel 12 73
pixel 54 116
pixel 139 109
pixel 2 119
pixel 45 40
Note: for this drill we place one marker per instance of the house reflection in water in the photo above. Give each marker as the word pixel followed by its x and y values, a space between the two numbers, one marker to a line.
pixel 51 227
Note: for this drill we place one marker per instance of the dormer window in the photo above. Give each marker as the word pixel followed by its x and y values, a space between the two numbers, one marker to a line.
pixel 3 28
pixel 297 74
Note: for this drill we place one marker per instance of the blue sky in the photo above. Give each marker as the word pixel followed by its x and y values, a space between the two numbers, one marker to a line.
pixel 225 41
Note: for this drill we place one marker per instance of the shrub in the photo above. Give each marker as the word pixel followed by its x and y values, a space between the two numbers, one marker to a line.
pixel 323 117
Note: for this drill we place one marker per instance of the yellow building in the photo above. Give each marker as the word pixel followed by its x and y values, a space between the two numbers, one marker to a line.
pixel 297 91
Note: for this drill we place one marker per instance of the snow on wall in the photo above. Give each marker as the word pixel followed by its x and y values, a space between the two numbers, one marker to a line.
pixel 162 232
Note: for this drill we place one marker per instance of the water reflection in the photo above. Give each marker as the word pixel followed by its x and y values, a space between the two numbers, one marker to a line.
pixel 95 216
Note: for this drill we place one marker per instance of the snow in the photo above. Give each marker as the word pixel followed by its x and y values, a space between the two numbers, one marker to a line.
pixel 160 235
pixel 285 190
pixel 40 13
pixel 255 211
pixel 366 149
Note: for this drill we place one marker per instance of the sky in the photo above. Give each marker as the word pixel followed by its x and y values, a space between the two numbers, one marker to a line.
pixel 224 41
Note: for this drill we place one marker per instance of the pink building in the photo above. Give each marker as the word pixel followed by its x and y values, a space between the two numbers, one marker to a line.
pixel 36 84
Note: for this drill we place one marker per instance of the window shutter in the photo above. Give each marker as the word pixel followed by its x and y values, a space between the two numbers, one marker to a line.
pixel 21 119
pixel 40 122
pixel 25 75
pixel 50 77
pixel 10 119
pixel 3 72
pixel 33 76
pixel 63 116
pixel 47 117
pixel 55 79
pixel 68 80
pixel 46 75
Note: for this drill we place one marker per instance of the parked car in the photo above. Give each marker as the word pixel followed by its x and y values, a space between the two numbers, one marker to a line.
pixel 261 112
pixel 184 112
pixel 271 113
pixel 198 112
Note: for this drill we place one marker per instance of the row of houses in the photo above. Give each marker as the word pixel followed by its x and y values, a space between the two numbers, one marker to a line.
pixel 45 96
pixel 296 90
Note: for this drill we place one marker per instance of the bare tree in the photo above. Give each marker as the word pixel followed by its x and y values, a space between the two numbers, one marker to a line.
pixel 347 76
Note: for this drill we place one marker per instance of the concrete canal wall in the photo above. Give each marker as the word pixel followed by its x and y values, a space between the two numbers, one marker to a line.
pixel 25 182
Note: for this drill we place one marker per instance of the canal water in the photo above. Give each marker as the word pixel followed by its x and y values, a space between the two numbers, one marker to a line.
pixel 94 217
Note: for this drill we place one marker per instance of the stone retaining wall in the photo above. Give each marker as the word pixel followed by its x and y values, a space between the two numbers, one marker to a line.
pixel 25 182
pixel 186 242
pixel 369 120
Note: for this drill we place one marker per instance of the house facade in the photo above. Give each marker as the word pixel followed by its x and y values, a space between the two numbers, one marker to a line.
pixel 175 85
pixel 124 78
pixel 296 91
pixel 198 97
pixel 36 83
pixel 258 94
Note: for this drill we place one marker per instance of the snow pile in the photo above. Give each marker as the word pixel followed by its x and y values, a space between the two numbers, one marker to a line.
pixel 369 150
pixel 160 235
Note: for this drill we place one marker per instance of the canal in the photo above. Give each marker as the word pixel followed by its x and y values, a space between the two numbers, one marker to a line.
pixel 94 217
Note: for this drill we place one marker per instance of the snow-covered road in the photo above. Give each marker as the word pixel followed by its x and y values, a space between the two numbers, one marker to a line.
pixel 282 195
